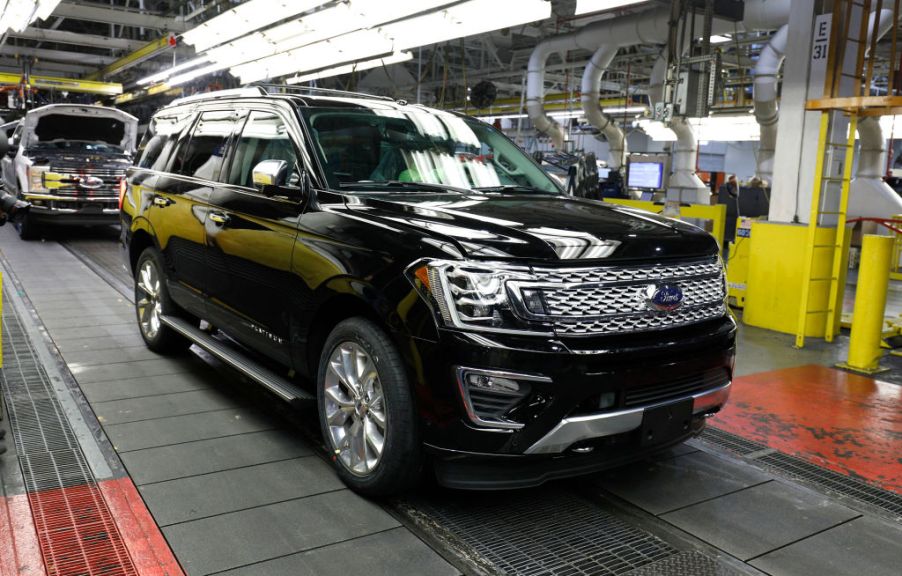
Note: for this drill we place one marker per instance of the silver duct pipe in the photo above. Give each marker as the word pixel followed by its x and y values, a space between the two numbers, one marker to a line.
pixel 649 27
pixel 765 99
pixel 685 185
pixel 869 195
pixel 589 95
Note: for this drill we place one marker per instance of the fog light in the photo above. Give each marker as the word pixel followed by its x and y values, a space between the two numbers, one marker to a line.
pixel 493 383
pixel 607 400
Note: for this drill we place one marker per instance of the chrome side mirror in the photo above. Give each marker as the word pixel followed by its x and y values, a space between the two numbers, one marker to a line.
pixel 270 173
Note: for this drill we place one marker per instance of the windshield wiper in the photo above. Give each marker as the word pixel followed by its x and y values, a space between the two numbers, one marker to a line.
pixel 420 186
pixel 511 188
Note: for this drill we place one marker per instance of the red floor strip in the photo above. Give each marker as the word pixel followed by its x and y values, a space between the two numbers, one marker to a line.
pixel 20 553
pixel 148 549
pixel 847 423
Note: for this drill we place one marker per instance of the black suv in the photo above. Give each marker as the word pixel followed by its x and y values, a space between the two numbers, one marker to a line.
pixel 448 302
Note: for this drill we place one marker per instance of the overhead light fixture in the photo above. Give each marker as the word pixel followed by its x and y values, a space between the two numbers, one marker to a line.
pixel 461 20
pixel 192 74
pixel 248 17
pixel 396 58
pixel 16 15
pixel 164 74
pixel 587 6
pixel 626 110
pixel 720 38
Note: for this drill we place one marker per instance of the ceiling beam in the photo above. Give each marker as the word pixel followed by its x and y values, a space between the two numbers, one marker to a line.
pixel 43 54
pixel 121 16
pixel 63 37
pixel 55 68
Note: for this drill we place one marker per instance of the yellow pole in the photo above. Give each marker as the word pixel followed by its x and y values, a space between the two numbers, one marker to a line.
pixel 870 303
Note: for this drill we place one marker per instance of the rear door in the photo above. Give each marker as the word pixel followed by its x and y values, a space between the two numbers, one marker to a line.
pixel 250 238
pixel 181 201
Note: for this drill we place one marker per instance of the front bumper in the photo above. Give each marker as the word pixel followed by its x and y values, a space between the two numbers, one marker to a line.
pixel 76 212
pixel 572 375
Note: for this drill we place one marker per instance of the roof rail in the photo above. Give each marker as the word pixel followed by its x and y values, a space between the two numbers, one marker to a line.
pixel 324 91
pixel 246 91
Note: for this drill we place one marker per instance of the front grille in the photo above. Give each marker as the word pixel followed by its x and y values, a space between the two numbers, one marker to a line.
pixel 676 388
pixel 586 301
pixel 69 186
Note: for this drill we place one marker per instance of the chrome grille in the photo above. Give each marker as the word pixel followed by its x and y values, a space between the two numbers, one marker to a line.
pixel 109 190
pixel 584 301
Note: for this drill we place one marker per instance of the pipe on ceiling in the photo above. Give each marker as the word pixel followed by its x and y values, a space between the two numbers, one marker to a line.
pixel 589 95
pixel 765 99
pixel 869 195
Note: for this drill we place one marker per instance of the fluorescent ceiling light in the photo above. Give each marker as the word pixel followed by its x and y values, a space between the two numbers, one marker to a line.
pixel 164 74
pixel 586 6
pixel 626 110
pixel 348 68
pixel 245 18
pixel 720 38
pixel 361 45
pixel 461 20
pixel 16 15
pixel 191 75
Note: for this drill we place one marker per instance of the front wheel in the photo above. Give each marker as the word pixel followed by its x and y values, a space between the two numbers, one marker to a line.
pixel 367 411
pixel 27 227
pixel 152 302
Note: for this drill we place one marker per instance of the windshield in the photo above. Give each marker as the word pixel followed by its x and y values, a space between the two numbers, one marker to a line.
pixel 77 146
pixel 369 148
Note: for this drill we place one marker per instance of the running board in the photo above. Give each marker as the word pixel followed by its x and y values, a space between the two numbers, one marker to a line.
pixel 276 384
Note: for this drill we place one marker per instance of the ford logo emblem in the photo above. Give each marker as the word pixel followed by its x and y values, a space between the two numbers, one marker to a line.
pixel 90 182
pixel 663 297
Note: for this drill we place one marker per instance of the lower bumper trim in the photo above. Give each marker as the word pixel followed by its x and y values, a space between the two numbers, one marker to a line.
pixel 578 428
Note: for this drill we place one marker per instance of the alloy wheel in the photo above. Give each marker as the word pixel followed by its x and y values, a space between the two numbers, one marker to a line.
pixel 355 408
pixel 150 308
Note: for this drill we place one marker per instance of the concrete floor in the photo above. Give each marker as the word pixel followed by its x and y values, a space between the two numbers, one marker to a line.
pixel 237 483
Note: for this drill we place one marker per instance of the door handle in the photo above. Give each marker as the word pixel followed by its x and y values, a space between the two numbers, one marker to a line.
pixel 219 218
pixel 161 201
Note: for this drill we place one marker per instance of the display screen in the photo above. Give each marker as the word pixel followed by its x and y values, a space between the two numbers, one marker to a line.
pixel 648 175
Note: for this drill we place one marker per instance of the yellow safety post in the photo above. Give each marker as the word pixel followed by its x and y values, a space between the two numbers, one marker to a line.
pixel 896 268
pixel 870 302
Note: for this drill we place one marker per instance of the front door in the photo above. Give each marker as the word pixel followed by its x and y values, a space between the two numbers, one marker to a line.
pixel 250 239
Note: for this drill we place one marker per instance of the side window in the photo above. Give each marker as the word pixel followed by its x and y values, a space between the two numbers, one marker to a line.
pixel 203 155
pixel 158 141
pixel 264 137
pixel 17 135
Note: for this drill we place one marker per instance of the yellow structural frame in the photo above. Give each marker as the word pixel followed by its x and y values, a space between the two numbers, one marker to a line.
pixel 717 214
pixel 70 84
pixel 149 50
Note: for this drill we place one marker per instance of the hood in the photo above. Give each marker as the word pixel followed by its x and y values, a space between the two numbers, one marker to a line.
pixel 537 227
pixel 85 123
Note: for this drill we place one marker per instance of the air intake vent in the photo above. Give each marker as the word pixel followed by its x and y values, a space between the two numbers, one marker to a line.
pixel 676 388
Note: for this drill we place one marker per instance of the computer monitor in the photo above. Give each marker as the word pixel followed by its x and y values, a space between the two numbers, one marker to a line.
pixel 645 175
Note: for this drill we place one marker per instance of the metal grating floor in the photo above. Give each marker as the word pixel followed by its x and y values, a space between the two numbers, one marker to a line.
pixel 799 469
pixel 554 533
pixel 686 564
pixel 76 532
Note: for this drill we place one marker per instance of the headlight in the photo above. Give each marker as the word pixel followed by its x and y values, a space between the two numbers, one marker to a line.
pixel 475 296
pixel 36 178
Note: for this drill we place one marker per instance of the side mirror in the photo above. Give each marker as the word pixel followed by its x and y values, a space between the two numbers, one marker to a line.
pixel 271 177
pixel 270 173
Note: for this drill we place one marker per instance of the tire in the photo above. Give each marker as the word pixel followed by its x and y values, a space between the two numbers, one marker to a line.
pixel 26 226
pixel 356 416
pixel 152 301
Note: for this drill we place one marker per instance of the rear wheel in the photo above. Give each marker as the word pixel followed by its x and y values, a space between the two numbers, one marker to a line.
pixel 366 410
pixel 152 302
